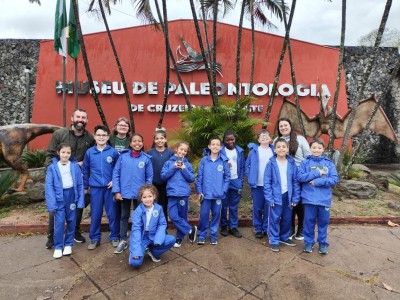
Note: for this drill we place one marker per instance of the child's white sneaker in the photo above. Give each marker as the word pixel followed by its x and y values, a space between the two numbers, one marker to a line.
pixel 57 253
pixel 67 250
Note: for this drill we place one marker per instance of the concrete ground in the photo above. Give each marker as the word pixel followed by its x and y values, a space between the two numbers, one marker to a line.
pixel 361 262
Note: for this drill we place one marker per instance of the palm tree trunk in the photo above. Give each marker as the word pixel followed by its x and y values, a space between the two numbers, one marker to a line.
pixel 292 73
pixel 364 82
pixel 338 80
pixel 253 47
pixel 86 63
pixel 278 70
pixel 196 24
pixel 214 53
pixel 121 73
pixel 239 43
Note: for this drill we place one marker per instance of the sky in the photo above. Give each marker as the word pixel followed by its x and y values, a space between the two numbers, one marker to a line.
pixel 315 21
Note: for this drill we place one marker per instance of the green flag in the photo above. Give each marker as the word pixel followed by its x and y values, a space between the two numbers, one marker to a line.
pixel 73 44
pixel 61 29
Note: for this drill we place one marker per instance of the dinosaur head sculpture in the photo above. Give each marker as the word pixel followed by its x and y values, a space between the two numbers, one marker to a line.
pixel 323 97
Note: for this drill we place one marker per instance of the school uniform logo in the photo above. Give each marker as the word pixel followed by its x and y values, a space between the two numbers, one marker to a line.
pixel 218 202
pixel 141 165
pixel 182 202
pixel 155 213
pixel 220 168
pixel 326 208
pixel 72 206
pixel 109 159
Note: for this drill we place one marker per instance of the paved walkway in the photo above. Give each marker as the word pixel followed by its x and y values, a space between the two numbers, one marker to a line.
pixel 361 260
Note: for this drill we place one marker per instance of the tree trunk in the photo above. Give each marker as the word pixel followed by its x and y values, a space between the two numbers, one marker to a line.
pixel 253 47
pixel 86 62
pixel 196 24
pixel 239 43
pixel 278 70
pixel 367 73
pixel 214 53
pixel 121 73
pixel 338 80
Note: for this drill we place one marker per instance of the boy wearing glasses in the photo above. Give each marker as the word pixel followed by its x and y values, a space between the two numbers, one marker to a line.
pixel 98 166
pixel 256 162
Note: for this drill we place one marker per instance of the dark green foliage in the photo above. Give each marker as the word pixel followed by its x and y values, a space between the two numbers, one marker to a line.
pixel 395 179
pixel 202 123
pixel 7 179
pixel 35 159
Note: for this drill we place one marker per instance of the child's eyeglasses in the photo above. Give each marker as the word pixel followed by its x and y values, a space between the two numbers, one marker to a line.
pixel 123 125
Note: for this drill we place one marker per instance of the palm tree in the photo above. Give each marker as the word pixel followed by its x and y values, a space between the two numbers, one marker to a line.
pixel 86 62
pixel 364 81
pixel 278 70
pixel 121 73
pixel 338 79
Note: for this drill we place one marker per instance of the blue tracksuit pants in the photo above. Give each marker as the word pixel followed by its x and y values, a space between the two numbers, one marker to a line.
pixel 316 214
pixel 231 203
pixel 280 221
pixel 213 205
pixel 125 213
pixel 99 197
pixel 178 213
pixel 260 209
pixel 155 250
pixel 66 211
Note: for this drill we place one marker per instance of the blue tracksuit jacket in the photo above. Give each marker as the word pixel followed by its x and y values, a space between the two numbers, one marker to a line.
pixel 157 228
pixel 98 166
pixel 272 182
pixel 321 192
pixel 213 176
pixel 252 164
pixel 178 180
pixel 237 184
pixel 54 186
pixel 131 173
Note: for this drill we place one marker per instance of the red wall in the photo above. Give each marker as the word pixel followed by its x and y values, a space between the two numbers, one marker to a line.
pixel 142 55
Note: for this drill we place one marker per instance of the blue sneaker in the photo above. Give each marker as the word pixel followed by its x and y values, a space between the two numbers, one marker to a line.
pixel 213 241
pixel 323 249
pixel 275 247
pixel 201 241
pixel 308 248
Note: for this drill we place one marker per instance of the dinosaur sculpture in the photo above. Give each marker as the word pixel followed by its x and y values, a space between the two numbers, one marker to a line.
pixel 320 123
pixel 193 60
pixel 13 139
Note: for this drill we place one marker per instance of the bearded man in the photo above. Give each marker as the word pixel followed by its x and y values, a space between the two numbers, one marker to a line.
pixel 80 140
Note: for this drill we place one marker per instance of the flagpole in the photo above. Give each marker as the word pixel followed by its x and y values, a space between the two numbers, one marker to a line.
pixel 76 84
pixel 64 92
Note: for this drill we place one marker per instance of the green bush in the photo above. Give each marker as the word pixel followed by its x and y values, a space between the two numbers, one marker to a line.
pixel 35 159
pixel 202 123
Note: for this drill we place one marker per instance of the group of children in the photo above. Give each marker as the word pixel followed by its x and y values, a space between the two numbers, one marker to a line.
pixel 115 179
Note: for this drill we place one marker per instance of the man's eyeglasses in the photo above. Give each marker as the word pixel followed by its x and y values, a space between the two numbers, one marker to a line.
pixel 101 135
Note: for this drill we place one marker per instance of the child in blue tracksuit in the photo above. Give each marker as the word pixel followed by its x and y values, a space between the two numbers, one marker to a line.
pixel 317 175
pixel 98 165
pixel 282 193
pixel 212 185
pixel 236 162
pixel 132 170
pixel 148 235
pixel 64 193
pixel 256 162
pixel 179 174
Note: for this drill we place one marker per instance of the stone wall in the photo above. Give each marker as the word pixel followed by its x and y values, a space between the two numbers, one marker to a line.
pixel 16 55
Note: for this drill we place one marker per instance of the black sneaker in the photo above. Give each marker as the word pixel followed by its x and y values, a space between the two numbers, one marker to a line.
pixel 224 231
pixel 299 236
pixel 79 238
pixel 259 235
pixel 288 243
pixel 235 232
pixel 50 242
pixel 193 234
pixel 292 234
pixel 178 243
pixel 275 248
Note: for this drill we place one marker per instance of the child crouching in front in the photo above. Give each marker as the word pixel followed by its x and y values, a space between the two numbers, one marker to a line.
pixel 282 193
pixel 317 175
pixel 148 229
pixel 64 193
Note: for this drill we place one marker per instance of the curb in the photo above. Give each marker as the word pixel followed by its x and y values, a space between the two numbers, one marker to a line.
pixel 42 228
